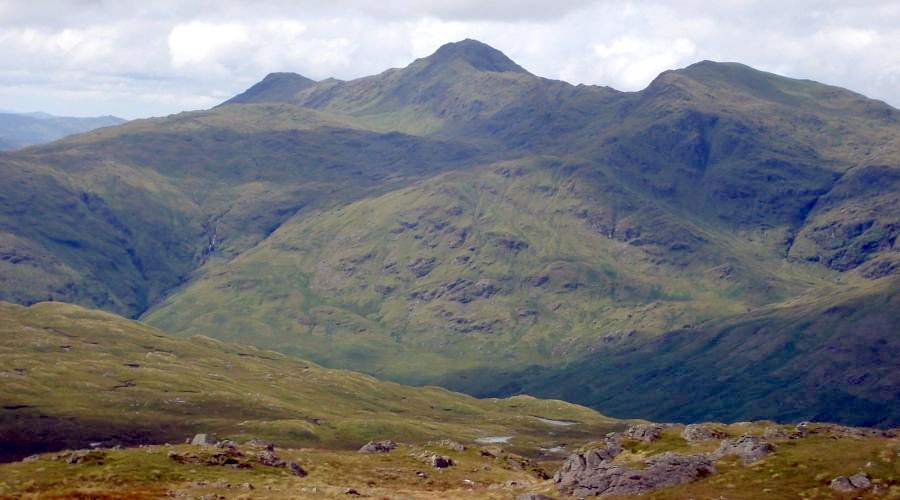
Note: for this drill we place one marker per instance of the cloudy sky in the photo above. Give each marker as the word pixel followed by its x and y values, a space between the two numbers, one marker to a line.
pixel 137 58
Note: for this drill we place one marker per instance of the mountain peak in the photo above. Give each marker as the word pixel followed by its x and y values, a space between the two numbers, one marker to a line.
pixel 478 55
pixel 275 87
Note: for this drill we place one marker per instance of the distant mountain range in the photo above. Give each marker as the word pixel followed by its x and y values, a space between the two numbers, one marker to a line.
pixel 719 244
pixel 18 130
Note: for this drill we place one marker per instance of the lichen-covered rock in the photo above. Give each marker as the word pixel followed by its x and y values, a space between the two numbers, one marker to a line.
pixel 83 456
pixel 644 432
pixel 836 430
pixel 844 484
pixel 773 432
pixel 450 444
pixel 800 431
pixel 268 458
pixel 378 446
pixel 860 480
pixel 578 464
pixel 841 484
pixel 748 448
pixel 441 462
pixel 204 439
pixel 582 477
pixel 259 443
pixel 701 432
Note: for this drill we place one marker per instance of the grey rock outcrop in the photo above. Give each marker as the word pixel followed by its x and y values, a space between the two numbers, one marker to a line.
pixel 777 433
pixel 268 458
pixel 204 439
pixel 441 462
pixel 858 481
pixel 421 266
pixel 644 432
pixel 845 431
pixel 583 475
pixel 748 448
pixel 450 444
pixel 842 484
pixel 378 446
pixel 701 432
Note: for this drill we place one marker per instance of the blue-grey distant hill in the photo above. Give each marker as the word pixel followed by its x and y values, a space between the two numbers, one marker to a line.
pixel 18 130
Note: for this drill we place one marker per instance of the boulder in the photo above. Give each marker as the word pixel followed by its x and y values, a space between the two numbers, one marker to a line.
pixel 644 432
pixel 533 496
pixel 450 445
pixel 85 456
pixel 259 443
pixel 441 462
pixel 860 480
pixel 748 448
pixel 841 484
pixel 773 432
pixel 378 446
pixel 204 439
pixel 296 469
pixel 581 477
pixel 701 432
pixel 579 464
pixel 268 458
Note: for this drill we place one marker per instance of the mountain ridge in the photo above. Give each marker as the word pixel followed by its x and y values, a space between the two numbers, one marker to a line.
pixel 432 221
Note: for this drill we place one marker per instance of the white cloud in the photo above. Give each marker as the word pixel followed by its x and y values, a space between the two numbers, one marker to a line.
pixel 205 45
pixel 137 58
pixel 632 62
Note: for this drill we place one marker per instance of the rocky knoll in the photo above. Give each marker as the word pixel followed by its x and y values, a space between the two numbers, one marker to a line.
pixel 580 479
pixel 625 463
pixel 747 448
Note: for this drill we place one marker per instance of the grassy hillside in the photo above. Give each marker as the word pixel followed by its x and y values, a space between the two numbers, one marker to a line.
pixel 71 376
pixel 118 217
pixel 496 266
pixel 833 358
pixel 461 214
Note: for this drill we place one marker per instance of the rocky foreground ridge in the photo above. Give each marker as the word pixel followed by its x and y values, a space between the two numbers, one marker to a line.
pixel 710 460
pixel 618 466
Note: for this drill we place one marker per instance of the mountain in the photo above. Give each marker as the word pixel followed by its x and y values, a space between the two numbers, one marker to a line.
pixel 460 221
pixel 275 87
pixel 25 129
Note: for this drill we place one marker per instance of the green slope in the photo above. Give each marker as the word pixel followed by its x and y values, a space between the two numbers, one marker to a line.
pixel 71 376
pixel 833 358
pixel 495 266
pixel 118 217
pixel 461 214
